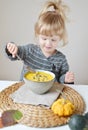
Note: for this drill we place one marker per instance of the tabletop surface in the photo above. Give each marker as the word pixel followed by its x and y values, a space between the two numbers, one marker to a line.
pixel 81 89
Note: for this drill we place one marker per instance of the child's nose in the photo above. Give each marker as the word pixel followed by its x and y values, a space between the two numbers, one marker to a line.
pixel 48 41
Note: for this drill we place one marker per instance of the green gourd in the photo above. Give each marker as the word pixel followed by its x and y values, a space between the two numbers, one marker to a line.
pixel 10 117
pixel 86 117
pixel 78 122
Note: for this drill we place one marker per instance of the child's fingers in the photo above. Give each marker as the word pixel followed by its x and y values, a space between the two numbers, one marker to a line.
pixel 69 77
pixel 12 48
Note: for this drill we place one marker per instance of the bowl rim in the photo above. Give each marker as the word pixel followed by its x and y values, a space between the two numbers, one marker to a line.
pixel 40 70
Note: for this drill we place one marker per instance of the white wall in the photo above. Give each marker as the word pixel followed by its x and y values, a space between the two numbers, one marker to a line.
pixel 17 18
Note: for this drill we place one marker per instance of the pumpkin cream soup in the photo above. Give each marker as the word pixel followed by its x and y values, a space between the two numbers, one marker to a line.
pixel 39 76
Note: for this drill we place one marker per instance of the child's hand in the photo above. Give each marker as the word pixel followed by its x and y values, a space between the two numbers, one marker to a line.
pixel 13 49
pixel 69 77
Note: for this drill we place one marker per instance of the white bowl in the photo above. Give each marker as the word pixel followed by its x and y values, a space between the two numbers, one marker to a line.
pixel 40 87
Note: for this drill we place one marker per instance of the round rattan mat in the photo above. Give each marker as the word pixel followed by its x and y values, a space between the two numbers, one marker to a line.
pixel 40 116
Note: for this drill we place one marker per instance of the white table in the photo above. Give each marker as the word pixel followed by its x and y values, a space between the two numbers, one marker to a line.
pixel 81 89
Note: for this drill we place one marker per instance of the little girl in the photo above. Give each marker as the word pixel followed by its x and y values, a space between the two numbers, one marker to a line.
pixel 50 29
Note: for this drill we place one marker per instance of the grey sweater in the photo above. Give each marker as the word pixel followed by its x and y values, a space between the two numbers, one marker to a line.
pixel 32 56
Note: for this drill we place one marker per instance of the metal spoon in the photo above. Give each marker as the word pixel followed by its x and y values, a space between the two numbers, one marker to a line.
pixel 29 69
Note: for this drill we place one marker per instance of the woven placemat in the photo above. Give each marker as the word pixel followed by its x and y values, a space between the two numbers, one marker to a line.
pixel 40 116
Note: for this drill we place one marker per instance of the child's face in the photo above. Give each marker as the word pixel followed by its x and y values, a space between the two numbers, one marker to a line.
pixel 48 44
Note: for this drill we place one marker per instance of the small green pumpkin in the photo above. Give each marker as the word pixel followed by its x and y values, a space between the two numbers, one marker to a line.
pixel 77 122
pixel 86 117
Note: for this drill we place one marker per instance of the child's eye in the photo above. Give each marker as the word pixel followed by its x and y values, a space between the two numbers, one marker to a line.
pixel 44 38
pixel 53 40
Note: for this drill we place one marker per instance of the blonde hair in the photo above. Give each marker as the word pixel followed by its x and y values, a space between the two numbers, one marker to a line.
pixel 51 20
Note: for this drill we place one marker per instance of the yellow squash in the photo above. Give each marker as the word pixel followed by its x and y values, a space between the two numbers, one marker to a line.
pixel 63 107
